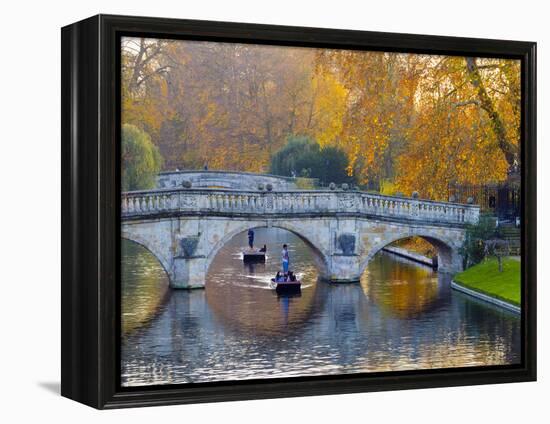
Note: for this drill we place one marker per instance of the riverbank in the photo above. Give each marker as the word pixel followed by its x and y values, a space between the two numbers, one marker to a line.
pixel 486 282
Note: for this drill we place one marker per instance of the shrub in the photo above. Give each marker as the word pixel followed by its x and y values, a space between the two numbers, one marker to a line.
pixel 303 157
pixel 473 248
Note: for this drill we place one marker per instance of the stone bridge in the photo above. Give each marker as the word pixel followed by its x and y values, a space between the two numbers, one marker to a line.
pixel 185 228
pixel 230 180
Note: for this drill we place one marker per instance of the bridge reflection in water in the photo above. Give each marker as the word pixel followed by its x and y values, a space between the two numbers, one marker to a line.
pixel 401 316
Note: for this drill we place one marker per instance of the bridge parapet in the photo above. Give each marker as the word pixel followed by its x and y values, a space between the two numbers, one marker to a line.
pixel 233 180
pixel 295 203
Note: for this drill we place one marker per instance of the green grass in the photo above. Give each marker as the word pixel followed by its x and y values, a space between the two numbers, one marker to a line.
pixel 485 278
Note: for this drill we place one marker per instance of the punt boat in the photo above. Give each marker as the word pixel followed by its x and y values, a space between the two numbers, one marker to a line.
pixel 253 256
pixel 286 286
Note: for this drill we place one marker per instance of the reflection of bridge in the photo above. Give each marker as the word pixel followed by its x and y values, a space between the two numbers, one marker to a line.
pixel 185 228
pixel 351 326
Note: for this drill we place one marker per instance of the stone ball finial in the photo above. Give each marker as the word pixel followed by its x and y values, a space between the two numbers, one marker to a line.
pixel 345 186
pixel 415 195
pixel 269 187
pixel 186 184
pixel 332 186
pixel 261 186
pixel 470 200
pixel 452 198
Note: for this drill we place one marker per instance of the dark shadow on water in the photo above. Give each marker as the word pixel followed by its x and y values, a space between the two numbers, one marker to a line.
pixel 51 386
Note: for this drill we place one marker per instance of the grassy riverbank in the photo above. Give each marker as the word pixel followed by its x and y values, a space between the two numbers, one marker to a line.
pixel 485 278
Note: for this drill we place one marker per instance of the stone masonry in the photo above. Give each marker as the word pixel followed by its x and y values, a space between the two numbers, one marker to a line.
pixel 185 228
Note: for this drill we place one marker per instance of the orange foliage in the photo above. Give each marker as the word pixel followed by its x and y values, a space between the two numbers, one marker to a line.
pixel 412 122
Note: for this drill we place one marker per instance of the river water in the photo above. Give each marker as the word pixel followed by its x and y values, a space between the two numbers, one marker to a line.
pixel 401 316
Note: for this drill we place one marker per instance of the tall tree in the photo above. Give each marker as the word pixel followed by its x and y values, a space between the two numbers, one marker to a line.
pixel 510 150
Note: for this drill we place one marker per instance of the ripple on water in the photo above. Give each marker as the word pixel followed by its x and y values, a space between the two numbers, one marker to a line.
pixel 401 317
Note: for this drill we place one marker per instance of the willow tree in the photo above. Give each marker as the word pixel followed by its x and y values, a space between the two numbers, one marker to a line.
pixel 141 159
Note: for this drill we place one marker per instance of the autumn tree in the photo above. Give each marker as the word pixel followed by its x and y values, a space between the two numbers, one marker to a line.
pixel 404 122
pixel 453 137
pixel 144 67
pixel 487 103
pixel 380 90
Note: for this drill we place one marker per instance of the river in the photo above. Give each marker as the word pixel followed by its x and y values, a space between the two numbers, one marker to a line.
pixel 401 316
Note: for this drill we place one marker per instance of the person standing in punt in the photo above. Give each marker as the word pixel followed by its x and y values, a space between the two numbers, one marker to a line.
pixel 251 239
pixel 285 258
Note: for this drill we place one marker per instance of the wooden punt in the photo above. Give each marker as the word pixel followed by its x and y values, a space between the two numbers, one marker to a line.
pixel 253 256
pixel 286 286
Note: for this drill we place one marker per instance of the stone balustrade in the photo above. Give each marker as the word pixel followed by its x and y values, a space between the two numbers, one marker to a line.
pixel 319 202
pixel 228 180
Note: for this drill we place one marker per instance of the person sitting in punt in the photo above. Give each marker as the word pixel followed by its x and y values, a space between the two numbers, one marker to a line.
pixel 278 277
pixel 291 276
pixel 263 249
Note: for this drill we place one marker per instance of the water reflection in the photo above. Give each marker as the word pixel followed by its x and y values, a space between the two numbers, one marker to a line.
pixel 404 289
pixel 241 297
pixel 401 316
pixel 144 286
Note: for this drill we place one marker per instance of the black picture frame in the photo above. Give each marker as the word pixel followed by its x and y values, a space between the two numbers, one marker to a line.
pixel 91 210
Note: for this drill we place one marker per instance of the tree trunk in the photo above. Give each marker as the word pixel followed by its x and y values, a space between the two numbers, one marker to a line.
pixel 507 148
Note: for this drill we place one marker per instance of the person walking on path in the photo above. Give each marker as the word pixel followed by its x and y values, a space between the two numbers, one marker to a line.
pixel 251 239
pixel 285 258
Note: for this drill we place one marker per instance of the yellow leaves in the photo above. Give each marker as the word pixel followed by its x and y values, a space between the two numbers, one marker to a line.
pixel 329 105
pixel 405 121
pixel 388 188
pixel 447 145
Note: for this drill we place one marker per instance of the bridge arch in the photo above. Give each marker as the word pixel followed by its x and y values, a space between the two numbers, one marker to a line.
pixel 448 257
pixel 321 257
pixel 158 252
